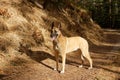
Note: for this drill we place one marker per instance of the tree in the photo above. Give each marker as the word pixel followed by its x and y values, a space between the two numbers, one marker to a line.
pixel 104 12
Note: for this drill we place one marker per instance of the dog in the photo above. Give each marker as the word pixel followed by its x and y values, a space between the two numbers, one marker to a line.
pixel 63 45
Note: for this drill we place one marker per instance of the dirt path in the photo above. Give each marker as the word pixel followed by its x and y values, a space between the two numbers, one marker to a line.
pixel 39 64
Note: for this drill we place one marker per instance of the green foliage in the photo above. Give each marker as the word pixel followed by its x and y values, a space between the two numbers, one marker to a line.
pixel 104 12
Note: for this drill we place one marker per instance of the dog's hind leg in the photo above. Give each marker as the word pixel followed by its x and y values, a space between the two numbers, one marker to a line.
pixel 90 61
pixel 82 58
pixel 87 56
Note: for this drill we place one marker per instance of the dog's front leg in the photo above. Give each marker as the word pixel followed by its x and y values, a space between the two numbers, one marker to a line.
pixel 57 60
pixel 63 62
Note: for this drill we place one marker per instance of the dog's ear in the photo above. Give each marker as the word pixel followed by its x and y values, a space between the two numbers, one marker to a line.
pixel 52 25
pixel 59 25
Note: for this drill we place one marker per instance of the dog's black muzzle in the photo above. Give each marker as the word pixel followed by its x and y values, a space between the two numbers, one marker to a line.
pixel 53 35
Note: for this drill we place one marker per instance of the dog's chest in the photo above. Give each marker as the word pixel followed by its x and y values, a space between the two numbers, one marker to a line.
pixel 59 46
pixel 56 46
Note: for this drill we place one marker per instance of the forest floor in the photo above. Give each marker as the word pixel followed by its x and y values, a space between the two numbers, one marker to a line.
pixel 39 64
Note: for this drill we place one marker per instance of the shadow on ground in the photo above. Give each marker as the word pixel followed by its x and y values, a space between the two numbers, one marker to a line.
pixel 99 60
pixel 2 75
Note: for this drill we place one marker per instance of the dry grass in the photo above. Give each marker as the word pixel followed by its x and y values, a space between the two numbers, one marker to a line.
pixel 10 41
pixel 23 24
pixel 20 26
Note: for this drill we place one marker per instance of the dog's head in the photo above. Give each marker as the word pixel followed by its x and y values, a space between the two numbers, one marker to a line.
pixel 55 31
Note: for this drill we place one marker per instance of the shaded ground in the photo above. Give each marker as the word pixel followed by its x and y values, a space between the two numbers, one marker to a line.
pixel 38 64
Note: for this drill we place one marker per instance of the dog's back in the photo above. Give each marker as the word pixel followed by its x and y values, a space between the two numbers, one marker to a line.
pixel 75 43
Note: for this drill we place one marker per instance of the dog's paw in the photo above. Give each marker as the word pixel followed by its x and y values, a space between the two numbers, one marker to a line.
pixel 80 66
pixel 90 68
pixel 61 72
pixel 54 69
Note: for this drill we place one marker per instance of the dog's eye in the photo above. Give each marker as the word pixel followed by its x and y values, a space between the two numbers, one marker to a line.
pixel 55 31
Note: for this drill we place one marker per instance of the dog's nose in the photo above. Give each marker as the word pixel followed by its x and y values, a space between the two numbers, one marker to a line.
pixel 51 35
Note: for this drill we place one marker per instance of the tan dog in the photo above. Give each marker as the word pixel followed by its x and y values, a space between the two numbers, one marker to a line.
pixel 63 45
